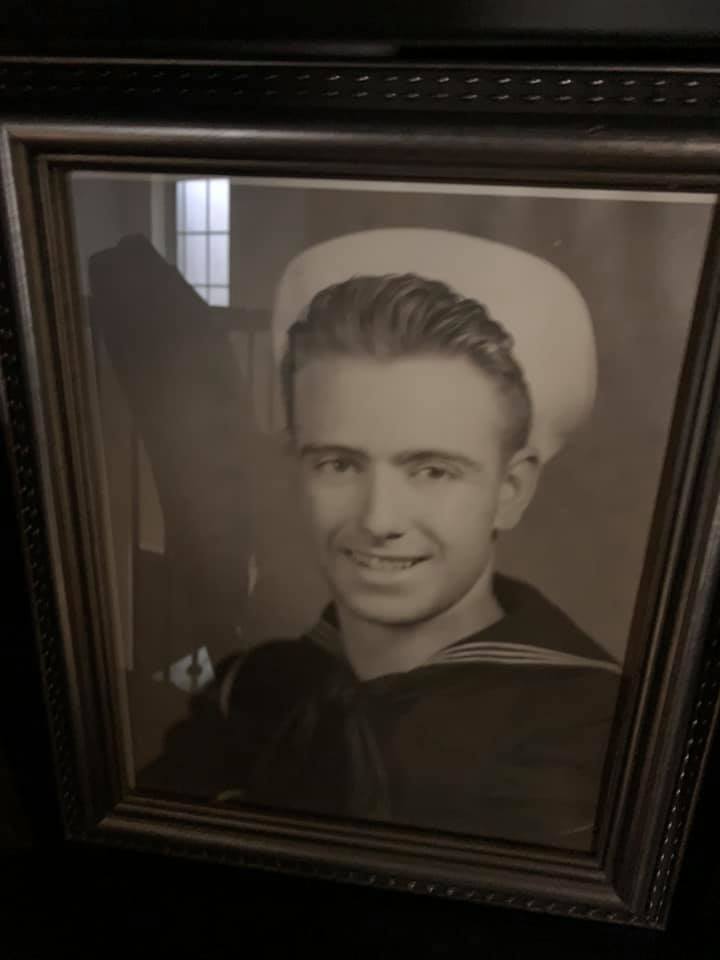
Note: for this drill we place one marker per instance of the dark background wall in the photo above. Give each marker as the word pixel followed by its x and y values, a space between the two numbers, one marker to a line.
pixel 376 28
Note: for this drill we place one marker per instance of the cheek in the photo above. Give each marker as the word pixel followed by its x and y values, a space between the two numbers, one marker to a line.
pixel 461 516
pixel 330 507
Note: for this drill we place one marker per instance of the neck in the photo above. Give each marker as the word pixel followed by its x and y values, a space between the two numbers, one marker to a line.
pixel 376 649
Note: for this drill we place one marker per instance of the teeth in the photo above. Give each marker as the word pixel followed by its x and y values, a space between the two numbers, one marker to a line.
pixel 380 563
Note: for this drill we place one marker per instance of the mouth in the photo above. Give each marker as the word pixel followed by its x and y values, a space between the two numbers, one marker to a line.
pixel 377 561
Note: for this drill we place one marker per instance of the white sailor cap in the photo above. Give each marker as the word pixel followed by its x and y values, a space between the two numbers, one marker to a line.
pixel 533 300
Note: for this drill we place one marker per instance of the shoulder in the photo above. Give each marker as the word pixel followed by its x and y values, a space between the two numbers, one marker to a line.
pixel 533 675
pixel 275 672
pixel 515 700
pixel 234 718
pixel 532 618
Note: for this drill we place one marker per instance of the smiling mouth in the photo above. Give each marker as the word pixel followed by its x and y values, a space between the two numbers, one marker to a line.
pixel 374 561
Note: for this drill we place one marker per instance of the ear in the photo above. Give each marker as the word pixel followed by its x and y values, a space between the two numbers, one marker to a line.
pixel 517 488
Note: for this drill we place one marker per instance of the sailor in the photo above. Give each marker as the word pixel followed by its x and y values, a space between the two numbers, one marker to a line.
pixel 428 377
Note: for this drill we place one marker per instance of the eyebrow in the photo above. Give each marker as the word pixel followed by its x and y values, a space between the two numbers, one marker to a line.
pixel 447 456
pixel 403 458
pixel 323 449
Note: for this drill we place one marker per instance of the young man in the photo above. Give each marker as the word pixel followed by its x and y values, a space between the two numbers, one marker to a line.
pixel 433 692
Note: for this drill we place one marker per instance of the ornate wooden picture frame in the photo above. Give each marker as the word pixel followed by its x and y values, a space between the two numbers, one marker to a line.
pixel 593 136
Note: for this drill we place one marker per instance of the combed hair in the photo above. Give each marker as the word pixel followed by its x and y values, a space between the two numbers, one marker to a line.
pixel 394 316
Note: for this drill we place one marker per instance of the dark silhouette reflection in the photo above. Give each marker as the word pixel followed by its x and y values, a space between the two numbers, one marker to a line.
pixel 223 485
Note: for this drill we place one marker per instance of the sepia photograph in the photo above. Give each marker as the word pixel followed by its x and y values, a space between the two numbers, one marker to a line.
pixel 381 462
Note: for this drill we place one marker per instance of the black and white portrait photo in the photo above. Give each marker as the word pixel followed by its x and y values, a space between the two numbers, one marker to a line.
pixel 381 462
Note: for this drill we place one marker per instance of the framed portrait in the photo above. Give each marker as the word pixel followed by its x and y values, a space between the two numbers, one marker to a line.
pixel 367 461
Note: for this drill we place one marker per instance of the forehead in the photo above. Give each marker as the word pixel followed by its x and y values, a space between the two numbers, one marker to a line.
pixel 421 402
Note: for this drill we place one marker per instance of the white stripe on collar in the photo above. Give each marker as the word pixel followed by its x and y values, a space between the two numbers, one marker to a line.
pixel 482 651
pixel 541 657
pixel 487 651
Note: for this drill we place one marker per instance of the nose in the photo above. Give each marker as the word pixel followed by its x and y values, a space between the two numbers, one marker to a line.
pixel 384 504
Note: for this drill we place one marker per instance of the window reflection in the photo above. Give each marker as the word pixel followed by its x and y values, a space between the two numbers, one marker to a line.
pixel 203 237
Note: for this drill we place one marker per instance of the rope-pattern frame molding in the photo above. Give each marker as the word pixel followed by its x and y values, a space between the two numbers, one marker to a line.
pixel 98 86
pixel 28 492
pixel 699 731
pixel 352 875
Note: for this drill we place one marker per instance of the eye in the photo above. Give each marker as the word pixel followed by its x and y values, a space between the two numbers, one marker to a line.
pixel 335 466
pixel 434 473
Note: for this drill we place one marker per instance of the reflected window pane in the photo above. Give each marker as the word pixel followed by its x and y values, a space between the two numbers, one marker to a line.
pixel 203 236
pixel 219 205
pixel 219 256
pixel 180 205
pixel 196 205
pixel 180 253
pixel 195 267
pixel 219 296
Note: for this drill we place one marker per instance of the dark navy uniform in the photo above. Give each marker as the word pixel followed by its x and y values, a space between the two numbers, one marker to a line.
pixel 503 734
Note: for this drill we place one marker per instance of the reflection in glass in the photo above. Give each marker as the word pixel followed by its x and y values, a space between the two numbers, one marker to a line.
pixel 219 259
pixel 219 204
pixel 202 213
pixel 195 265
pixel 195 204
pixel 218 296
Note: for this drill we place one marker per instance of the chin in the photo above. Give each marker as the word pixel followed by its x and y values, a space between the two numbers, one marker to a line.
pixel 386 612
